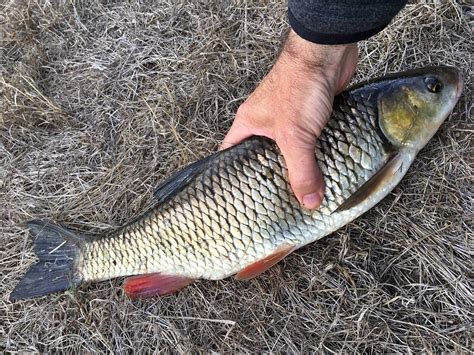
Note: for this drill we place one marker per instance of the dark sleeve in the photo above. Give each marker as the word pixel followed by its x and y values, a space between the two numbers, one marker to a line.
pixel 341 21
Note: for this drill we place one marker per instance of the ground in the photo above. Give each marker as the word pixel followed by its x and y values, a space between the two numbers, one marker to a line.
pixel 102 100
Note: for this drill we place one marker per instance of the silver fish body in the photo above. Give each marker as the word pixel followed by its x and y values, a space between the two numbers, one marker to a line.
pixel 228 211
pixel 240 207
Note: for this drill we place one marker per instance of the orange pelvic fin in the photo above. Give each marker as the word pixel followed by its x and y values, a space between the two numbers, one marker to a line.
pixel 262 265
pixel 157 284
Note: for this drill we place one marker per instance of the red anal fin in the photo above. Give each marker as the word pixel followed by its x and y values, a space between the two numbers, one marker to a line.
pixel 157 284
pixel 262 265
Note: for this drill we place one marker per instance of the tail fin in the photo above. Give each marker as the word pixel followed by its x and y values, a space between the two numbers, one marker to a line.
pixel 56 249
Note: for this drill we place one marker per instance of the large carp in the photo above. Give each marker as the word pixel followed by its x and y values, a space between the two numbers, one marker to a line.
pixel 234 212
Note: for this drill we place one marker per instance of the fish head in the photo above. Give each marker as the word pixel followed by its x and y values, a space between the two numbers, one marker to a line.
pixel 413 105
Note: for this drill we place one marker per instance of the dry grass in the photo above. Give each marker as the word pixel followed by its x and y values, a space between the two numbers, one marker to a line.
pixel 100 101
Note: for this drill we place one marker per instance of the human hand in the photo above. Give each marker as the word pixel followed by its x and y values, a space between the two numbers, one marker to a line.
pixel 292 104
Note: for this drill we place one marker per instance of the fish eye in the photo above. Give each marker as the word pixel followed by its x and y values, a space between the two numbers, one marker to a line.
pixel 433 84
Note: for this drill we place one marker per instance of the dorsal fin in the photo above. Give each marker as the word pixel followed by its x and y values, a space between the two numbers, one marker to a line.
pixel 373 184
pixel 177 182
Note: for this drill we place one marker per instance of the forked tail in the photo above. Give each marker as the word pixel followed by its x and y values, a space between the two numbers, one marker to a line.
pixel 57 249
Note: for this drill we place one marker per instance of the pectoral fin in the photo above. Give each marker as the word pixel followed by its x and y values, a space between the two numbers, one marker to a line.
pixel 374 184
pixel 260 266
pixel 156 284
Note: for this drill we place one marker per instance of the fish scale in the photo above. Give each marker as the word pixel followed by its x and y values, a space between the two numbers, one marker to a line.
pixel 241 207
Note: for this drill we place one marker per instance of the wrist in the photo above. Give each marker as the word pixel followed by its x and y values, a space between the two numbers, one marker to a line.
pixel 328 61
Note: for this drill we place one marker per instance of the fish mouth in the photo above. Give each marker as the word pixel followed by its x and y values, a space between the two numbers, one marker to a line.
pixel 459 87
pixel 452 76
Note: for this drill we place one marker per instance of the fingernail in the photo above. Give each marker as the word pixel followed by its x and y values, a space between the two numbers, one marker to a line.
pixel 312 200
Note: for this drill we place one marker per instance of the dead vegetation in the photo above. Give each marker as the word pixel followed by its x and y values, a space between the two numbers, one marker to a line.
pixel 100 101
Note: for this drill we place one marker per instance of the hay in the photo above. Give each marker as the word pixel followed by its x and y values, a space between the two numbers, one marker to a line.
pixel 100 101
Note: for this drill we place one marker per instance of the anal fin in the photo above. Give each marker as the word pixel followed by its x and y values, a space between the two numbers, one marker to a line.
pixel 262 265
pixel 155 284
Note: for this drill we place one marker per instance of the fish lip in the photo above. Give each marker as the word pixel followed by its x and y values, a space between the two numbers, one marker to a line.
pixel 457 84
pixel 459 81
pixel 452 77
pixel 459 87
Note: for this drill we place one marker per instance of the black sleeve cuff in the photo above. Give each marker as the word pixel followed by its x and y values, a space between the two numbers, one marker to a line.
pixel 331 38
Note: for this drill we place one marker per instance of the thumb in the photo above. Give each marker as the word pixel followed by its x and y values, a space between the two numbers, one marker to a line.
pixel 304 174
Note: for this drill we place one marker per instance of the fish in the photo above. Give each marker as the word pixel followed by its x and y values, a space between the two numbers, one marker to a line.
pixel 234 213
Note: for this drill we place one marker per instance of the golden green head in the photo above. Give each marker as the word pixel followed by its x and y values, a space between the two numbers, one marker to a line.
pixel 413 105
